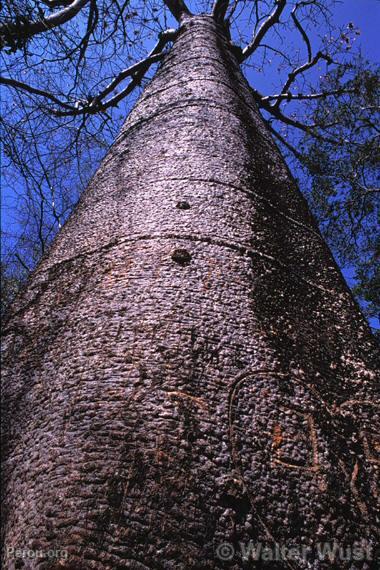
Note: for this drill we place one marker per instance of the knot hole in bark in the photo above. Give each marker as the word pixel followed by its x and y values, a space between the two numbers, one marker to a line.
pixel 181 256
pixel 183 205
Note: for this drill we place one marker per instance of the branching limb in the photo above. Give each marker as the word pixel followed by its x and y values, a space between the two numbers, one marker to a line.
pixel 56 3
pixel 97 103
pixel 35 91
pixel 279 116
pixel 154 55
pixel 178 8
pixel 232 11
pixel 219 10
pixel 93 17
pixel 286 143
pixel 136 71
pixel 15 34
pixel 270 21
pixel 299 27
pixel 311 61
pixel 277 51
pixel 301 69
pixel 22 262
pixel 307 96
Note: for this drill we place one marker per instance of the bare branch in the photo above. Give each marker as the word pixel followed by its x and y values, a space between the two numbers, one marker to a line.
pixel 178 8
pixel 300 28
pixel 307 96
pixel 56 3
pixel 219 10
pixel 93 16
pixel 232 10
pixel 22 262
pixel 301 69
pixel 271 20
pixel 285 93
pixel 279 116
pixel 35 91
pixel 286 143
pixel 97 103
pixel 136 71
pixel 15 34
pixel 154 55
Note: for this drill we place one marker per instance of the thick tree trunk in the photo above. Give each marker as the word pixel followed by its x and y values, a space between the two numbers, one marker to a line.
pixel 187 366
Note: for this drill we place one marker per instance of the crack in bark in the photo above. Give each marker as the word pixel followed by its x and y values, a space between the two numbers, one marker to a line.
pixel 248 192
pixel 241 248
pixel 202 102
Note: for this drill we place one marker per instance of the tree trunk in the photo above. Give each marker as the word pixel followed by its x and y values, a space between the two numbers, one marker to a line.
pixel 187 365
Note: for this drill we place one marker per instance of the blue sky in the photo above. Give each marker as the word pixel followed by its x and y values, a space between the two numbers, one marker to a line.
pixel 366 15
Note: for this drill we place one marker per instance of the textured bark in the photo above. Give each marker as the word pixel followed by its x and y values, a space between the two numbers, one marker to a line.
pixel 187 366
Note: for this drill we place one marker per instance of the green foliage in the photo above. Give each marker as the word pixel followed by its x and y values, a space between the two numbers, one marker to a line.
pixel 344 165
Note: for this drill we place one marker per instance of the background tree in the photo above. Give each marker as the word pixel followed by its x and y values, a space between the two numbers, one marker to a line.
pixel 72 70
pixel 343 177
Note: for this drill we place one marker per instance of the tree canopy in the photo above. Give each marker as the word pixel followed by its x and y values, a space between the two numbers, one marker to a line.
pixel 74 68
